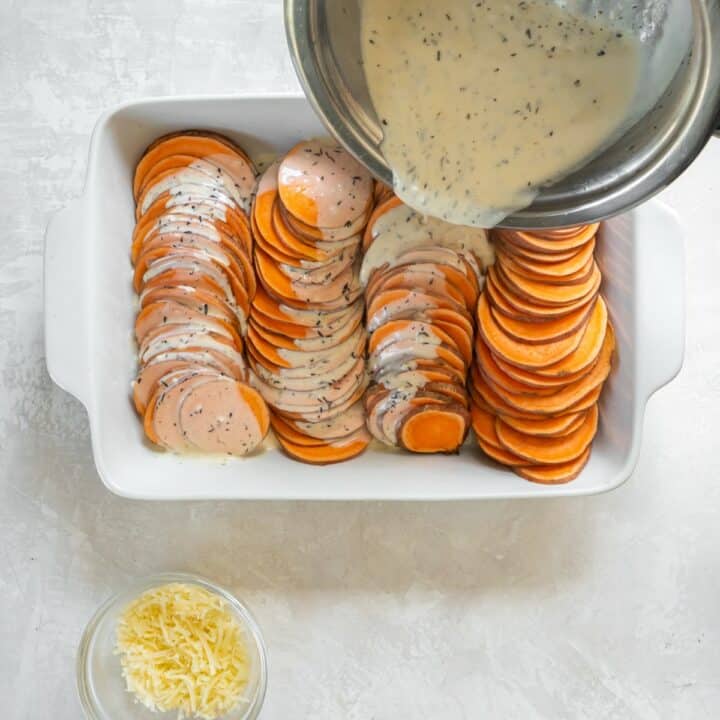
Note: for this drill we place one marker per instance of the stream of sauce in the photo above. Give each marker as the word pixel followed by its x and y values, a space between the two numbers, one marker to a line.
pixel 482 103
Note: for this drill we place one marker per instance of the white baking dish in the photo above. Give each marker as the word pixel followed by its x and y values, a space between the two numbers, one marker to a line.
pixel 90 308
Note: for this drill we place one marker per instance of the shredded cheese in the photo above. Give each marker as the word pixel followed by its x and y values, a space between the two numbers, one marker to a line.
pixel 182 649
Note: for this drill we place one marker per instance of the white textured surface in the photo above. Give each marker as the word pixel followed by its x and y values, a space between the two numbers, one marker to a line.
pixel 605 607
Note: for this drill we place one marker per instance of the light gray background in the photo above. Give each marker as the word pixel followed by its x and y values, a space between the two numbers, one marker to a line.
pixel 605 607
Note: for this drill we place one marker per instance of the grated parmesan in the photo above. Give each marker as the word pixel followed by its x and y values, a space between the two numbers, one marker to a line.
pixel 182 649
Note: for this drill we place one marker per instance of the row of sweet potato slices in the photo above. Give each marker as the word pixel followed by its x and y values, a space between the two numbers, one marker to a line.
pixel 542 353
pixel 306 341
pixel 192 253
pixel 419 310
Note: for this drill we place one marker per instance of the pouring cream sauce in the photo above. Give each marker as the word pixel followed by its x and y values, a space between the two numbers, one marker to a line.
pixel 484 102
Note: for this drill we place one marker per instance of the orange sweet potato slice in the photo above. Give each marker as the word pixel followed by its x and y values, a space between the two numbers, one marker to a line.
pixel 409 278
pixel 434 429
pixel 572 240
pixel 529 309
pixel 224 416
pixel 564 398
pixel 553 426
pixel 539 332
pixel 385 304
pixel 531 357
pixel 581 275
pixel 555 474
pixel 418 330
pixel 290 241
pixel 547 294
pixel 325 238
pixel 497 377
pixel 536 381
pixel 203 302
pixel 480 387
pixel 586 354
pixel 329 453
pixel 197 143
pixel 432 277
pixel 548 451
pixel 348 422
pixel 167 313
pixel 230 221
pixel 321 184
pixel 522 253
pixel 501 455
pixel 284 429
pixel 483 425
pixel 550 265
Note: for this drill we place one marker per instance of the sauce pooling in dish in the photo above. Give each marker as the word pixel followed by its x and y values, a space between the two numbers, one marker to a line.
pixel 482 103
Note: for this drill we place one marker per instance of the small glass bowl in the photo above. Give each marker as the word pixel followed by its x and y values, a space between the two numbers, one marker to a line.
pixel 101 685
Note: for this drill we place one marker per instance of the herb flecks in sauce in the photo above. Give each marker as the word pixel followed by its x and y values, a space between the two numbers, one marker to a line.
pixel 483 103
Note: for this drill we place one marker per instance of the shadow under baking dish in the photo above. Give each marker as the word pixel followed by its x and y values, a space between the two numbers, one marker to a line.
pixel 91 305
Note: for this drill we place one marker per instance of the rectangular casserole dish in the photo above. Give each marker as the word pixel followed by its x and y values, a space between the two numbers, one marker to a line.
pixel 90 308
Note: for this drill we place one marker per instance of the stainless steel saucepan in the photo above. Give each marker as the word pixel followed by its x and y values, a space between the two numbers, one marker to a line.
pixel 681 39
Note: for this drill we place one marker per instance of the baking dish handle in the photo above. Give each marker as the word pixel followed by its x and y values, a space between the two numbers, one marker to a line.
pixel 661 305
pixel 66 308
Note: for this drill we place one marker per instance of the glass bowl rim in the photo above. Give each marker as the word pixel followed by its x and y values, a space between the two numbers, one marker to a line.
pixel 147 582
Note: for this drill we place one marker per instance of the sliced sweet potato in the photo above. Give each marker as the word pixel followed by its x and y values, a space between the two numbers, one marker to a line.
pixel 224 180
pixel 321 184
pixel 329 453
pixel 539 332
pixel 555 474
pixel 172 313
pixel 378 212
pixel 430 283
pixel 548 451
pixel 496 376
pixel 292 241
pixel 149 378
pixel 529 309
pixel 547 294
pixel 551 243
pixel 483 425
pixel 324 413
pixel 519 253
pixel 536 381
pixel 480 386
pixel 212 147
pixel 396 303
pixel 434 429
pixel 329 239
pixel 553 265
pixel 285 430
pixel 586 354
pixel 203 302
pixel 385 418
pixel 581 275
pixel 501 455
pixel 351 420
pixel 417 330
pixel 569 396
pixel 162 415
pixel 531 357
pixel 224 416
pixel 547 426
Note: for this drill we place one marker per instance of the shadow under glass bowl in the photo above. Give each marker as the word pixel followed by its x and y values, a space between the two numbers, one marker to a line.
pixel 101 686
pixel 324 41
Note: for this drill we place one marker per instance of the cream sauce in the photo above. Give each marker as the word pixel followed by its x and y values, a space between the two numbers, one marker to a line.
pixel 483 103
pixel 402 230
